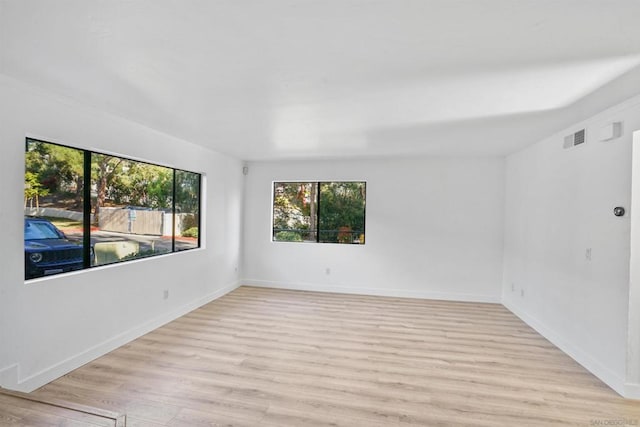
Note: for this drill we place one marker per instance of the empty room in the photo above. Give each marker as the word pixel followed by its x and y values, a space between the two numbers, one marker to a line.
pixel 314 213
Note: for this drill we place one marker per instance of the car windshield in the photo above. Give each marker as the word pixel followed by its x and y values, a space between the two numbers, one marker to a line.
pixel 34 230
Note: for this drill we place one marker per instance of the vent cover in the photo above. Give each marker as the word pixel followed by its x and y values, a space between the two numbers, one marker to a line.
pixel 574 139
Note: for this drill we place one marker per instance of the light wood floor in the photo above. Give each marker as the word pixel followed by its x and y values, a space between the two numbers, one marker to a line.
pixel 264 357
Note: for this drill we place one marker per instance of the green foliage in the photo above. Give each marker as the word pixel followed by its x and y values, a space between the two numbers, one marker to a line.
pixel 342 211
pixel 53 170
pixel 288 236
pixel 144 253
pixel 336 208
pixel 57 167
pixel 59 171
pixel 188 221
pixel 32 187
pixel 187 192
pixel 293 204
pixel 191 232
pixel 127 182
pixel 140 254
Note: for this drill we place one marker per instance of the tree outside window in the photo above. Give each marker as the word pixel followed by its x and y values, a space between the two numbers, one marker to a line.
pixel 322 212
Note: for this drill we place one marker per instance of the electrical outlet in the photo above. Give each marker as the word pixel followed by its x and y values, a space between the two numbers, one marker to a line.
pixel 522 293
pixel 165 294
pixel 327 271
pixel 587 254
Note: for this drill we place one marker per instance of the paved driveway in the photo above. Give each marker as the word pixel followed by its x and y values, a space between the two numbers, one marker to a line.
pixel 146 242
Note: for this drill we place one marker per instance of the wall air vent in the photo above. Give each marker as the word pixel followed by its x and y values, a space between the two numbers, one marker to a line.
pixel 574 139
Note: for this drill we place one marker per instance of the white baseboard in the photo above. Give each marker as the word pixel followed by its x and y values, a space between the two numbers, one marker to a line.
pixel 10 376
pixel 400 293
pixel 632 391
pixel 601 371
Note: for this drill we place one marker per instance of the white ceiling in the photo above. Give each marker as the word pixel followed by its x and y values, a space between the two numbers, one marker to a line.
pixel 273 79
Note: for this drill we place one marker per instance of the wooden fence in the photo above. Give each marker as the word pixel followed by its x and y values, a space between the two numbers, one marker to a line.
pixel 132 221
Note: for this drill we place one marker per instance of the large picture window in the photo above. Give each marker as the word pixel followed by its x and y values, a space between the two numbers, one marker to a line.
pixel 85 209
pixel 322 212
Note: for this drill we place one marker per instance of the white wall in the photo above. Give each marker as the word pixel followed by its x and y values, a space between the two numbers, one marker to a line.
pixel 52 325
pixel 434 229
pixel 559 203
pixel 633 331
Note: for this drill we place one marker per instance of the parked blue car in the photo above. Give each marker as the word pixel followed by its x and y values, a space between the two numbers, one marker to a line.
pixel 47 250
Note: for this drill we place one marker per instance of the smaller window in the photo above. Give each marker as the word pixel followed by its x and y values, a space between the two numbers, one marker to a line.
pixel 320 212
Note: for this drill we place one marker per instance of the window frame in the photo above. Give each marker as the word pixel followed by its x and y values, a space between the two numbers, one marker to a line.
pixel 317 230
pixel 87 207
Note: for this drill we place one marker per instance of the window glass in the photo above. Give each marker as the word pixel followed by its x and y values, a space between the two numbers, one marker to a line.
pixel 129 206
pixel 37 230
pixel 294 211
pixel 187 212
pixel 53 209
pixel 325 212
pixel 132 209
pixel 341 212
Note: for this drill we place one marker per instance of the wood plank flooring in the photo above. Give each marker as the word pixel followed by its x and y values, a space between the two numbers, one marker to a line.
pixel 266 357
